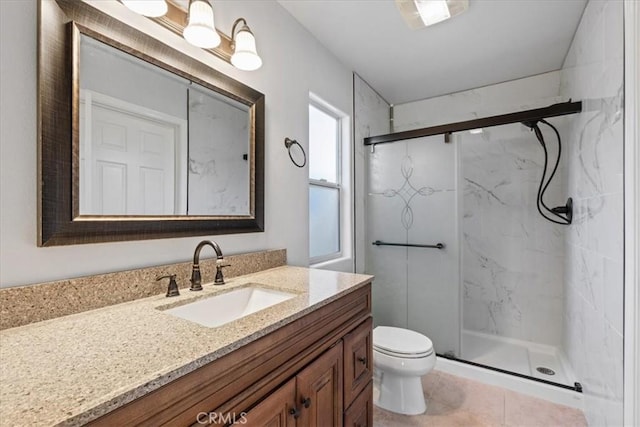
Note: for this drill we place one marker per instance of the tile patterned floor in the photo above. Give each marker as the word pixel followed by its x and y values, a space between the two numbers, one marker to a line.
pixel 455 401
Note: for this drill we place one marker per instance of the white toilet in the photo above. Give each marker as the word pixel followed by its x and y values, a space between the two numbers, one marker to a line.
pixel 400 358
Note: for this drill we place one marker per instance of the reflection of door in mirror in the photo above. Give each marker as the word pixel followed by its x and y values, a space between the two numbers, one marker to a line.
pixel 154 143
pixel 130 159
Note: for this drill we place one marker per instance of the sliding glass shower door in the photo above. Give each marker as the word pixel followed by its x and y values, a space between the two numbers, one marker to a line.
pixel 412 207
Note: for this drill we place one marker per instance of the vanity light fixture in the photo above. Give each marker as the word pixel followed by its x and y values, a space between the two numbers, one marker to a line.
pixel 423 13
pixel 245 57
pixel 201 29
pixel 150 8
pixel 197 25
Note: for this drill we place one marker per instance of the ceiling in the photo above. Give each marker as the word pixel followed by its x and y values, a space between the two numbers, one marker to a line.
pixel 492 42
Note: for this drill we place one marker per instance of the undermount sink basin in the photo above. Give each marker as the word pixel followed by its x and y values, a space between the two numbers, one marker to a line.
pixel 229 306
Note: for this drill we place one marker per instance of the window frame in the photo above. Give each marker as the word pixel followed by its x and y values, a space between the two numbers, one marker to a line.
pixel 338 185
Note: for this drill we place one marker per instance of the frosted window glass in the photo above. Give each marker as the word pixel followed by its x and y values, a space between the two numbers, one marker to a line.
pixel 324 221
pixel 323 145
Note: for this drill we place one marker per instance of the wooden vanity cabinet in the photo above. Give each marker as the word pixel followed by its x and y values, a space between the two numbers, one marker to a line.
pixel 324 356
pixel 312 398
pixel 319 387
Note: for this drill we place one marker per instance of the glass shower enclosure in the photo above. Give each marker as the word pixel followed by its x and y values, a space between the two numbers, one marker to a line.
pixel 412 200
pixel 460 251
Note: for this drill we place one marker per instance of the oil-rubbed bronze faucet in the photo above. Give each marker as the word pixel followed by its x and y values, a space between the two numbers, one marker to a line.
pixel 196 279
pixel 172 290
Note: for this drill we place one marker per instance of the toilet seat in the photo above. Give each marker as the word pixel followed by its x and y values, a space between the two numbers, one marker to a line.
pixel 399 342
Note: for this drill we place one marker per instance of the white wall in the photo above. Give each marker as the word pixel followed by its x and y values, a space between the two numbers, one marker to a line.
pixel 111 72
pixel 294 65
pixel 593 72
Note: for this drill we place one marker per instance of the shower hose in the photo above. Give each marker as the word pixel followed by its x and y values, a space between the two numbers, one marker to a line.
pixel 560 214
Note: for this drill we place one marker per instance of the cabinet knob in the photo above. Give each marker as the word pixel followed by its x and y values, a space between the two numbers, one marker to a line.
pixel 306 402
pixel 295 412
pixel 362 360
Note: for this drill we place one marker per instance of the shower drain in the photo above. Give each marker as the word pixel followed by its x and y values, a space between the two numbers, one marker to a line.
pixel 545 371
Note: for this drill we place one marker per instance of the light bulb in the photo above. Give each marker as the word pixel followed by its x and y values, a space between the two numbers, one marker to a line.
pixel 433 11
pixel 245 57
pixel 200 30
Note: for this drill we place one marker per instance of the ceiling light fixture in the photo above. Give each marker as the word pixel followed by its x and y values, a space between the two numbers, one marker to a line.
pixel 150 8
pixel 422 13
pixel 197 25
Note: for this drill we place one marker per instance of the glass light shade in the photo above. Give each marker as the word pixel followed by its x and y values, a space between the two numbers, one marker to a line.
pixel 151 8
pixel 245 57
pixel 433 11
pixel 200 30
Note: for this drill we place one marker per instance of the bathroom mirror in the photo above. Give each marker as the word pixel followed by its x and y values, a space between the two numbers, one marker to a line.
pixel 138 140
pixel 181 150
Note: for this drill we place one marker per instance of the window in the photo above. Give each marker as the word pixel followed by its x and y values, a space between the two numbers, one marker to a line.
pixel 325 184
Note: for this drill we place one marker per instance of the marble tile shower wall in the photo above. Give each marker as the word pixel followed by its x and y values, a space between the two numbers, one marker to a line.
pixel 512 257
pixel 593 72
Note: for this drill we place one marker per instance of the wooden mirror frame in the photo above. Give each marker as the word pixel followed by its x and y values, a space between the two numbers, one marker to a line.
pixel 60 24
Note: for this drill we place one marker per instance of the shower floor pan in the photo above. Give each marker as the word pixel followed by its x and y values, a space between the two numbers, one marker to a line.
pixel 521 357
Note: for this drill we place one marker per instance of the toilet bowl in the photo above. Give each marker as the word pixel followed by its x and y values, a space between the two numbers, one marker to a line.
pixel 400 358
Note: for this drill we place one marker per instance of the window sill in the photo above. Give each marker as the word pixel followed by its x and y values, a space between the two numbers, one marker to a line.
pixel 344 264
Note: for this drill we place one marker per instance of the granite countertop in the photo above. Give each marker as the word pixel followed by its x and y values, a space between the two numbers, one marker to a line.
pixel 72 369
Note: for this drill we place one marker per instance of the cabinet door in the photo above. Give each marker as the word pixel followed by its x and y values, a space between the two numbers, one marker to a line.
pixel 358 361
pixel 319 391
pixel 277 410
pixel 360 413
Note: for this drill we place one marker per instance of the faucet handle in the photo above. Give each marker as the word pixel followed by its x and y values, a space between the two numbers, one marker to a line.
pixel 219 280
pixel 172 291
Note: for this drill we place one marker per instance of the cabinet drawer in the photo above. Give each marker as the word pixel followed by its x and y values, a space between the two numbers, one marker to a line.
pixel 358 360
pixel 360 413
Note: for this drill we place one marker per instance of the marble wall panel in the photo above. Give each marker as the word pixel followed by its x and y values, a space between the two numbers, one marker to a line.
pixel 593 73
pixel 512 257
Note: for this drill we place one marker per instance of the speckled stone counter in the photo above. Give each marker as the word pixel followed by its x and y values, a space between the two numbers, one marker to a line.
pixel 72 369
pixel 33 303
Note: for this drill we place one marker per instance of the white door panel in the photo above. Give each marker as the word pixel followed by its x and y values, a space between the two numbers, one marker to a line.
pixel 129 165
pixel 110 189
